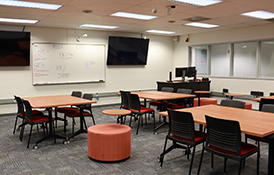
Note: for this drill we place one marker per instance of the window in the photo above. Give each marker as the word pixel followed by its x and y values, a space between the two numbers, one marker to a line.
pixel 220 59
pixel 245 59
pixel 267 59
pixel 199 59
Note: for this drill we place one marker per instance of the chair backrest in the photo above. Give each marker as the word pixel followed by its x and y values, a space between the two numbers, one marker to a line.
pixel 184 91
pixel 257 93
pixel 124 99
pixel 28 108
pixel 225 91
pixel 134 102
pixel 264 101
pixel 224 134
pixel 181 124
pixel 233 103
pixel 268 108
pixel 167 89
pixel 271 93
pixel 20 106
pixel 88 97
pixel 76 94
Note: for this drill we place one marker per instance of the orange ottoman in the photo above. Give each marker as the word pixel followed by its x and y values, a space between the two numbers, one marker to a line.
pixel 248 105
pixel 109 142
pixel 204 101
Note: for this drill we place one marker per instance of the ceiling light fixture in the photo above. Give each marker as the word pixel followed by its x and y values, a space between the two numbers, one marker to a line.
pixel 261 14
pixel 203 25
pixel 25 21
pixel 160 31
pixel 98 26
pixel 198 3
pixel 154 10
pixel 133 15
pixel 30 4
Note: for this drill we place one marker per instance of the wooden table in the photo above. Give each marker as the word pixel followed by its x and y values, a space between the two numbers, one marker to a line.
pixel 199 95
pixel 255 123
pixel 161 95
pixel 120 113
pixel 234 95
pixel 259 99
pixel 49 102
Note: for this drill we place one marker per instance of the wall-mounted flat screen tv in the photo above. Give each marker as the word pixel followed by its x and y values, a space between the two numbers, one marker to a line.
pixel 127 51
pixel 14 48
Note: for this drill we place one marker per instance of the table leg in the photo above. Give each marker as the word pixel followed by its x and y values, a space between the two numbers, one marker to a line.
pixel 271 155
pixel 81 130
pixel 199 98
pixel 51 134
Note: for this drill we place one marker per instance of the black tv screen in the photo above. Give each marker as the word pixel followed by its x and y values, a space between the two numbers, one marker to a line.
pixel 127 51
pixel 14 48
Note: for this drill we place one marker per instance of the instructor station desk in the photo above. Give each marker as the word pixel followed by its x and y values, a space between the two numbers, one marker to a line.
pixel 193 85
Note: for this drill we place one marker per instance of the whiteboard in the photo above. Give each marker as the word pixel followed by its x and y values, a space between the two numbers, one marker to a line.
pixel 68 63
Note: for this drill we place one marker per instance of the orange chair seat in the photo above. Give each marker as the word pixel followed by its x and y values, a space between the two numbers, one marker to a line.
pixel 64 109
pixel 204 101
pixel 109 142
pixel 143 110
pixel 75 113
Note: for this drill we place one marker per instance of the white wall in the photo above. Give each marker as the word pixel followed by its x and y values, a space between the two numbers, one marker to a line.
pixel 225 36
pixel 18 80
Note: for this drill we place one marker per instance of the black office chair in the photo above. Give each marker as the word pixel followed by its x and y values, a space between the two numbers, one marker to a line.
pixel 87 112
pixel 264 101
pixel 124 99
pixel 64 109
pixel 182 134
pixel 256 94
pixel 181 103
pixel 233 103
pixel 224 139
pixel 271 93
pixel 159 104
pixel 225 91
pixel 138 111
pixel 21 114
pixel 33 119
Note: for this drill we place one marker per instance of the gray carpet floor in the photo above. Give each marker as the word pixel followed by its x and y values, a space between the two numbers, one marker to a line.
pixel 73 158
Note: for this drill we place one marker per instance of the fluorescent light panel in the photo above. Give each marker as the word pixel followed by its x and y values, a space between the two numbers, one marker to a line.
pixel 133 15
pixel 98 26
pixel 30 4
pixel 198 2
pixel 203 25
pixel 28 21
pixel 160 31
pixel 261 14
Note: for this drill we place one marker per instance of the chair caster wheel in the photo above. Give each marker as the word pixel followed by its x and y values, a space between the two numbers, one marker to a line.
pixel 35 147
pixel 66 142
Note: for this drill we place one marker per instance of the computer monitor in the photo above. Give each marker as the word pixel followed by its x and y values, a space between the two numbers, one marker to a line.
pixel 185 71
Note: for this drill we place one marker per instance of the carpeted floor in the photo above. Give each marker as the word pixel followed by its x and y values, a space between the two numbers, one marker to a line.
pixel 72 159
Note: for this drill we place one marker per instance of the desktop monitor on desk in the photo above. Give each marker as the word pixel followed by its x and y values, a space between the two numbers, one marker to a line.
pixel 185 72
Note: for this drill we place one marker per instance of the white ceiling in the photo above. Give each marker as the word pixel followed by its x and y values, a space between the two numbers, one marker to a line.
pixel 225 14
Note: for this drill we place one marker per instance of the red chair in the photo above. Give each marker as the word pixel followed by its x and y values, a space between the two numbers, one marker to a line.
pixel 224 139
pixel 64 109
pixel 182 134
pixel 33 119
pixel 87 111
pixel 137 110
pixel 21 114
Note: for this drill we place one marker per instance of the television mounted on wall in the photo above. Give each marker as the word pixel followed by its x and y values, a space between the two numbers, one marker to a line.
pixel 14 48
pixel 127 51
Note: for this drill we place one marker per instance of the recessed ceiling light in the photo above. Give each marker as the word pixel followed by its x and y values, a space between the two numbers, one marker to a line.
pixel 259 14
pixel 203 25
pixel 28 21
pixel 198 2
pixel 30 4
pixel 160 31
pixel 98 26
pixel 133 15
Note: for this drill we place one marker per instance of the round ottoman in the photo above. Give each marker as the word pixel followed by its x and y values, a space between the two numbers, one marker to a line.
pixel 109 142
pixel 248 105
pixel 204 101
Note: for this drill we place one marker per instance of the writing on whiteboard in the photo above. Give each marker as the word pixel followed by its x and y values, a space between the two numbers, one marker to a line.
pixel 89 64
